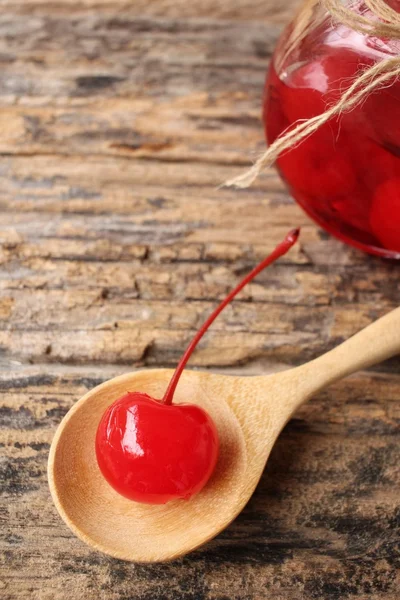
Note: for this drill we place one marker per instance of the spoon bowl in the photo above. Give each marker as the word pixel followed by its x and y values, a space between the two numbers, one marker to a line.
pixel 249 413
pixel 129 530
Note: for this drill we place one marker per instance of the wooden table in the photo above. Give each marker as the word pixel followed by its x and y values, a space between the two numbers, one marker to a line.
pixel 118 121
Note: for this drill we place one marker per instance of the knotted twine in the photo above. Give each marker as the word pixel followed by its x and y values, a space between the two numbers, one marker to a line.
pixel 385 23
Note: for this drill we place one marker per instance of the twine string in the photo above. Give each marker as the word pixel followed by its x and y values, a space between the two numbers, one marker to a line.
pixel 371 79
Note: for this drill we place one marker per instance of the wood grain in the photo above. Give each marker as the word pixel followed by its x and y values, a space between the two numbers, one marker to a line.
pixel 249 416
pixel 117 126
pixel 179 9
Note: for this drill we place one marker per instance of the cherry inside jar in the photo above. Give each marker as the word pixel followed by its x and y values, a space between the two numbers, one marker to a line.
pixel 346 175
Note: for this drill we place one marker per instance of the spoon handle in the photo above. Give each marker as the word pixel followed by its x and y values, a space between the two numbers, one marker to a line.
pixel 372 345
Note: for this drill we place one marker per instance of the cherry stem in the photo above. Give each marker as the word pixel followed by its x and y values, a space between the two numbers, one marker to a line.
pixel 279 251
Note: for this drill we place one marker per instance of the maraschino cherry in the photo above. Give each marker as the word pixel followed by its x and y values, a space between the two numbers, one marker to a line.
pixel 153 451
pixel 385 213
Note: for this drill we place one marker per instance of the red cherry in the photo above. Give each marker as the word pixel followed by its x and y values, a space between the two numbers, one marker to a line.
pixel 321 166
pixel 385 214
pixel 152 451
pixel 320 83
pixel 317 168
pixel 382 111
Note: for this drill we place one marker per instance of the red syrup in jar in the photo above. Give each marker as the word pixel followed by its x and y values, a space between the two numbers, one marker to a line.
pixel 346 175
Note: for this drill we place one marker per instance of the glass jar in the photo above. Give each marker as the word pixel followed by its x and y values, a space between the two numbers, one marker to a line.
pixel 345 175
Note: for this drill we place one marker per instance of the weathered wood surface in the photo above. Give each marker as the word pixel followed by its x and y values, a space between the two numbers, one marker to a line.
pixel 274 12
pixel 118 121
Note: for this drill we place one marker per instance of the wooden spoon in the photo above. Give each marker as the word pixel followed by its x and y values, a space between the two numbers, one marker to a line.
pixel 249 413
